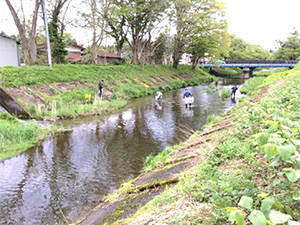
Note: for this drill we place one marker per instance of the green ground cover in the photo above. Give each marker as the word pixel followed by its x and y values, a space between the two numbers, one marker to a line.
pixel 77 95
pixel 252 177
pixel 15 136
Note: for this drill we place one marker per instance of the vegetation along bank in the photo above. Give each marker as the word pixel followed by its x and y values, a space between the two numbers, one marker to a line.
pixel 69 91
pixel 242 168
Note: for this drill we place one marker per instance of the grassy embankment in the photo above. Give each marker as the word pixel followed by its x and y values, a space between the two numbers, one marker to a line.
pixel 16 136
pixel 252 174
pixel 71 90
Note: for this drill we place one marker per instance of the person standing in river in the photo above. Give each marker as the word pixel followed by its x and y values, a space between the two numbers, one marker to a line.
pixel 233 90
pixel 187 98
pixel 100 84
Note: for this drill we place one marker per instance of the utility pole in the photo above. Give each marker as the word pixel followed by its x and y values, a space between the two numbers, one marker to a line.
pixel 47 35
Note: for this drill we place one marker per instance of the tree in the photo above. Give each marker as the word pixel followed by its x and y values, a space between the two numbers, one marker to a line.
pixel 140 18
pixel 26 29
pixel 56 30
pixel 208 30
pixel 181 16
pixel 240 50
pixel 117 26
pixel 289 49
pixel 93 19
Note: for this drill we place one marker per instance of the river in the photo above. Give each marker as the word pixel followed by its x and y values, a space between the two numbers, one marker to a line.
pixel 69 174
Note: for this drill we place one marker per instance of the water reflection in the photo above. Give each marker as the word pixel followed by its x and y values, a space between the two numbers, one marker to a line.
pixel 69 174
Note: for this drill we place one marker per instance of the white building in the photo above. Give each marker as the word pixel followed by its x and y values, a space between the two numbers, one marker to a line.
pixel 186 59
pixel 9 51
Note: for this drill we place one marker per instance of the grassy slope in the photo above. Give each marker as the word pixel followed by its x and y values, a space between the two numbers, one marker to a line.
pixel 16 136
pixel 253 174
pixel 125 81
pixel 122 82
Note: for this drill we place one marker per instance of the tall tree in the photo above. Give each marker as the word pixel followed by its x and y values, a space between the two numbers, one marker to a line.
pixel 290 48
pixel 56 30
pixel 117 25
pixel 240 50
pixel 27 30
pixel 141 18
pixel 93 19
pixel 208 30
pixel 180 17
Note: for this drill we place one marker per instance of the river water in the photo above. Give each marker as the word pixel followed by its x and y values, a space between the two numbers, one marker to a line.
pixel 69 174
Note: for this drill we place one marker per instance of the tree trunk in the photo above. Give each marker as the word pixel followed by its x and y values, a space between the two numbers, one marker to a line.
pixel 194 62
pixel 33 51
pixel 176 58
pixel 28 45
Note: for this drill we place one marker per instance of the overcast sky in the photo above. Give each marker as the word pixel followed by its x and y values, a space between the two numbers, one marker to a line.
pixel 259 22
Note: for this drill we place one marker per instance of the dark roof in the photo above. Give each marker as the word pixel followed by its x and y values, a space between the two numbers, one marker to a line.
pixel 44 46
pixel 2 34
pixel 109 55
pixel 75 45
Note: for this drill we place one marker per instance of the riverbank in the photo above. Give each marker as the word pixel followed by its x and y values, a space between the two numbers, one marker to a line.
pixel 242 168
pixel 70 91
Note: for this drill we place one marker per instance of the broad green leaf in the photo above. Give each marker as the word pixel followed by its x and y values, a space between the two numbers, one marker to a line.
pixel 262 139
pixel 232 217
pixel 278 217
pixel 276 182
pixel 257 218
pixel 295 142
pixel 292 174
pixel 272 129
pixel 291 222
pixel 297 198
pixel 286 151
pixel 231 209
pixel 266 206
pixel 240 217
pixel 270 150
pixel 246 202
pixel 276 140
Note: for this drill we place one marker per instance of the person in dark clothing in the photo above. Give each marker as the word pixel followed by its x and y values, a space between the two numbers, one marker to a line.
pixel 188 98
pixel 100 87
pixel 233 90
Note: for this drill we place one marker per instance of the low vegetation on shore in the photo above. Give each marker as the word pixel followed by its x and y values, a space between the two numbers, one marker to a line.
pixel 250 174
pixel 15 135
pixel 69 91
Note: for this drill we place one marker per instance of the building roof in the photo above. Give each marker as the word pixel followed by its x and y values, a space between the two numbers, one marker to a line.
pixel 44 46
pixel 73 57
pixel 2 34
pixel 109 55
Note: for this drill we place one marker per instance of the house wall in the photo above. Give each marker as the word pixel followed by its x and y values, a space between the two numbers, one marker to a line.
pixel 9 52
pixel 107 60
pixel 75 50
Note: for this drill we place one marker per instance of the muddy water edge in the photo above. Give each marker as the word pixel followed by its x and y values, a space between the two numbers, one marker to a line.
pixel 68 175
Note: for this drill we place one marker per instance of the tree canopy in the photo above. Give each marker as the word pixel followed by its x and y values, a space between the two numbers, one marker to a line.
pixel 290 48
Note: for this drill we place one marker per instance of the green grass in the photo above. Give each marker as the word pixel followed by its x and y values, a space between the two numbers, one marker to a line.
pixel 16 136
pixel 225 93
pixel 254 170
pixel 39 75
pixel 269 71
pixel 251 84
pixel 123 82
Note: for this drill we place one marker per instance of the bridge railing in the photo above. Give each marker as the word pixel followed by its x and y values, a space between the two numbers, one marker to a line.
pixel 292 62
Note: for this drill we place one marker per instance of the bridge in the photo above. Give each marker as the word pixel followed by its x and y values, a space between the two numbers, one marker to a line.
pixel 249 65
